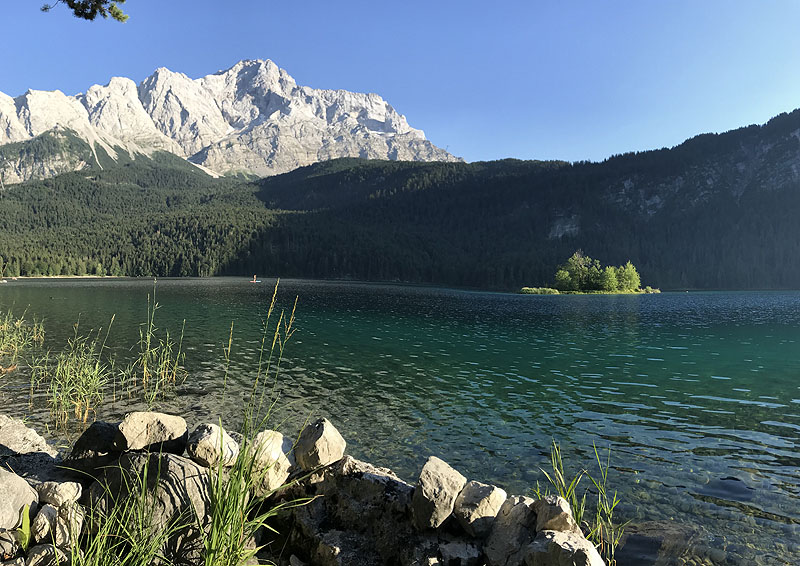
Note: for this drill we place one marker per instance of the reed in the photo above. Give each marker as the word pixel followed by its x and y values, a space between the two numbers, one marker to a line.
pixel 16 336
pixel 76 377
pixel 599 526
pixel 158 367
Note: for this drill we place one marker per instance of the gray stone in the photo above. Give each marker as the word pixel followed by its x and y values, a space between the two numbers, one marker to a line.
pixel 26 453
pixel 9 544
pixel 477 506
pixel 15 562
pixel 59 493
pixel 68 524
pixel 45 555
pixel 156 432
pixel 460 553
pixel 320 444
pixel 512 532
pixel 93 450
pixel 16 493
pixel 270 449
pixel 209 444
pixel 435 494
pixel 557 548
pixel 177 491
pixel 44 523
pixel 553 513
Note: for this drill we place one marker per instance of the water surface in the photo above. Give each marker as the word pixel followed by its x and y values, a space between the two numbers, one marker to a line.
pixel 696 394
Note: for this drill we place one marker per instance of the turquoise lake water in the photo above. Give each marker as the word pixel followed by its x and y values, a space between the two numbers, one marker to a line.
pixel 696 394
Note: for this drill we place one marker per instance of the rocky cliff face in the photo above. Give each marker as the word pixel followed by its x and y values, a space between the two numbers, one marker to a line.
pixel 252 118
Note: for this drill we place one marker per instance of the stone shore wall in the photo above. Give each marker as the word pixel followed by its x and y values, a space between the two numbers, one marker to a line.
pixel 352 513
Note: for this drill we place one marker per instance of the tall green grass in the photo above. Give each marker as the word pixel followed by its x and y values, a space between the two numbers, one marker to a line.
pixel 597 522
pixel 17 335
pixel 158 367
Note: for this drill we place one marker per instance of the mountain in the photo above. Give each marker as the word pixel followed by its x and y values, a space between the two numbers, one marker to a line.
pixel 718 211
pixel 252 119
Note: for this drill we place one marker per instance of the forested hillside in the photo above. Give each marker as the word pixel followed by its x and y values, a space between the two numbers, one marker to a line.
pixel 719 211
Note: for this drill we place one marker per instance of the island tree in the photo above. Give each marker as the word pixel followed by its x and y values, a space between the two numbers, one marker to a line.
pixel 581 273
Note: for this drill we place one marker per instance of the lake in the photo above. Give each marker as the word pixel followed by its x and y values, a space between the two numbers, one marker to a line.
pixel 697 395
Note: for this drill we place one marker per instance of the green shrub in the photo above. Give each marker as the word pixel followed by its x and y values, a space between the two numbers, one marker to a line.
pixel 539 291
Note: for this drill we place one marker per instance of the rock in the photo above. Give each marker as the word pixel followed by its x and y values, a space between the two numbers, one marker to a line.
pixel 16 493
pixel 209 443
pixel 45 555
pixel 460 553
pixel 512 532
pixel 295 561
pixel 155 432
pixel 59 493
pixel 68 524
pixel 16 562
pixel 26 453
pixel 435 494
pixel 368 506
pixel 556 548
pixel 320 444
pixel 44 523
pixel 553 513
pixel 9 544
pixel 177 491
pixel 93 450
pixel 476 507
pixel 270 449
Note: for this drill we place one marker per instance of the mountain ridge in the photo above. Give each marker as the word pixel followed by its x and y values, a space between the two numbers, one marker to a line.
pixel 251 118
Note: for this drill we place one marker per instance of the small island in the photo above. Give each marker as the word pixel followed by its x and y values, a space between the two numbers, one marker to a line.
pixel 584 275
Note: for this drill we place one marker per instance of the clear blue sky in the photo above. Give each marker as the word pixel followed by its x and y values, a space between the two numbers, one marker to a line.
pixel 487 80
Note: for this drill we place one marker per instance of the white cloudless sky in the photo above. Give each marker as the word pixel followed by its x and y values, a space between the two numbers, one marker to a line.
pixel 571 80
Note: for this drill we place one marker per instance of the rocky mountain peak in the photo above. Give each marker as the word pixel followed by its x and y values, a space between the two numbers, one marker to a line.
pixel 252 117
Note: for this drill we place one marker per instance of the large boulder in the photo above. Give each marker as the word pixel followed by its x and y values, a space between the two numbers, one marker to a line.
pixel 477 506
pixel 26 453
pixel 94 449
pixel 155 432
pixel 16 493
pixel 176 497
pixel 556 548
pixel 358 510
pixel 209 444
pixel 270 450
pixel 320 444
pixel 435 494
pixel 513 530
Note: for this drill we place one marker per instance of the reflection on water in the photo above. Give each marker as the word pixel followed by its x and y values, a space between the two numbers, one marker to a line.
pixel 697 395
